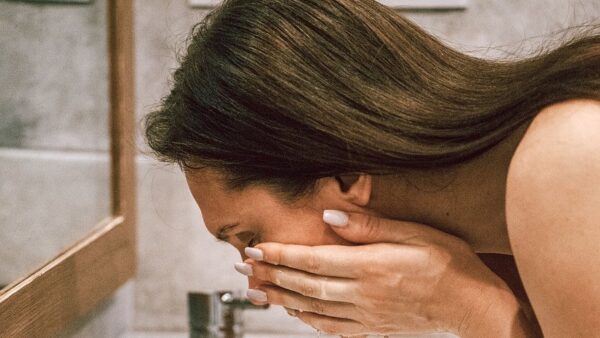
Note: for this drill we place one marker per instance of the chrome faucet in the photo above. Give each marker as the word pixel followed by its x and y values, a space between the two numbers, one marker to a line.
pixel 217 314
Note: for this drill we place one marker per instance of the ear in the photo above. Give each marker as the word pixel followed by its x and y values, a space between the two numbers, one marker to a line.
pixel 356 188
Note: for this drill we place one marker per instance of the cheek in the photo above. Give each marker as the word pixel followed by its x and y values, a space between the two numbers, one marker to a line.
pixel 330 237
pixel 305 233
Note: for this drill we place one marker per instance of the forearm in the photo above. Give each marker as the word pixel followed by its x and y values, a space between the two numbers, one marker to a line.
pixel 505 317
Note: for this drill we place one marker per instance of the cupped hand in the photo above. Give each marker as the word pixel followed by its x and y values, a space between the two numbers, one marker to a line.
pixel 405 278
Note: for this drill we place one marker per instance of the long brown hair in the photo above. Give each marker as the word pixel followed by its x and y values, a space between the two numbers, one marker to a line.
pixel 281 93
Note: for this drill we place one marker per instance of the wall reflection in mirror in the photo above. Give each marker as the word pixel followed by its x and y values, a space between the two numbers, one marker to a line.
pixel 54 139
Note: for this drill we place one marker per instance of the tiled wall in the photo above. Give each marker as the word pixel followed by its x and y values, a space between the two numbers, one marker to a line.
pixel 54 70
pixel 176 253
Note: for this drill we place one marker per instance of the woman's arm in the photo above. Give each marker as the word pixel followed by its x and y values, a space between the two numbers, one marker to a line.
pixel 553 215
pixel 504 316
pixel 505 267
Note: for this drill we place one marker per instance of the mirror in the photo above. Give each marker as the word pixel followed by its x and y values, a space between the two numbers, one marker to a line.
pixel 94 129
pixel 54 130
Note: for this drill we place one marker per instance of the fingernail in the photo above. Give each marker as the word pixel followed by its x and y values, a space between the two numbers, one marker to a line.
pixel 256 295
pixel 243 268
pixel 335 218
pixel 254 253
pixel 291 312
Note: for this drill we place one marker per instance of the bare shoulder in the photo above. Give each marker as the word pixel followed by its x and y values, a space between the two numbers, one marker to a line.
pixel 568 121
pixel 553 216
pixel 563 138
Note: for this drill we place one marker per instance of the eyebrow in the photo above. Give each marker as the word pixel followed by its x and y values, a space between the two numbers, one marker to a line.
pixel 222 232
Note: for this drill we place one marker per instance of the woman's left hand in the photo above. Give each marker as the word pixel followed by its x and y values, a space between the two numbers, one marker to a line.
pixel 406 278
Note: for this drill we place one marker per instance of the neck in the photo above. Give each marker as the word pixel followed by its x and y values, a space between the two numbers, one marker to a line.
pixel 466 200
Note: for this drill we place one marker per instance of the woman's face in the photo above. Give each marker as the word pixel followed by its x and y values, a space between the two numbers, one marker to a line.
pixel 256 215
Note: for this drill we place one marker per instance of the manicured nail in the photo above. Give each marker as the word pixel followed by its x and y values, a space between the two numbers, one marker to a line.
pixel 254 253
pixel 335 218
pixel 291 312
pixel 256 295
pixel 243 268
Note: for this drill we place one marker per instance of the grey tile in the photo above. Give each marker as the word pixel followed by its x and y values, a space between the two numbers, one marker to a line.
pixel 49 200
pixel 54 66
pixel 499 28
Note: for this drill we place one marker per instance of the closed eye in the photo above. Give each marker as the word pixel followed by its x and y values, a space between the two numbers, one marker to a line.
pixel 247 237
pixel 253 242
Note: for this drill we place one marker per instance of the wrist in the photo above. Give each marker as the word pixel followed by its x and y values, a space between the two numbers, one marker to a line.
pixel 498 313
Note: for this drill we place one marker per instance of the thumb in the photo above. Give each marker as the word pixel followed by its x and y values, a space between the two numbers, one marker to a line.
pixel 366 228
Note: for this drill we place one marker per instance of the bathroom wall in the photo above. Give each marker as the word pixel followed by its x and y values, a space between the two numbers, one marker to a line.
pixel 176 252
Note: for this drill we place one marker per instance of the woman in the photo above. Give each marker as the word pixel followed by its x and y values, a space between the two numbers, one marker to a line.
pixel 365 171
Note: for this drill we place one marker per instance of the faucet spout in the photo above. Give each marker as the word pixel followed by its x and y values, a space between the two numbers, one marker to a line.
pixel 218 314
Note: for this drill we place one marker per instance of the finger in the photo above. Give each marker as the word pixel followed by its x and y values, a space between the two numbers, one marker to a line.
pixel 326 260
pixel 331 325
pixel 300 303
pixel 349 262
pixel 366 228
pixel 309 285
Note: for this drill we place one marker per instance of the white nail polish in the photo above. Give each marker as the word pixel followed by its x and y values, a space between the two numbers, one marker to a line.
pixel 256 295
pixel 335 218
pixel 254 253
pixel 243 268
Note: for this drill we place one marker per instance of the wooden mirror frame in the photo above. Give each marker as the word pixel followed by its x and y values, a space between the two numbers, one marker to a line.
pixel 50 299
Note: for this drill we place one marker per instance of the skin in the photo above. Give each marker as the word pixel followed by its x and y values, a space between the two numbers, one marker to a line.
pixel 467 202
pixel 553 213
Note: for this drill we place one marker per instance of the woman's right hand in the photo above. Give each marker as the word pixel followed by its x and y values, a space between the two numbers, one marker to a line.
pixel 406 278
